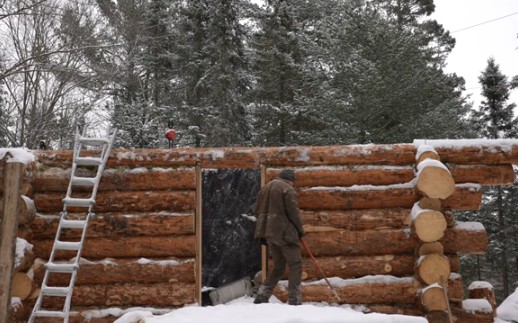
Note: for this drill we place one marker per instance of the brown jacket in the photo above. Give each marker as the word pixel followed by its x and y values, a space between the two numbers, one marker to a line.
pixel 277 214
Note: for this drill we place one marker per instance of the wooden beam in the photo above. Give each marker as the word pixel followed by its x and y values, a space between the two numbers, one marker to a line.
pixel 198 234
pixel 12 174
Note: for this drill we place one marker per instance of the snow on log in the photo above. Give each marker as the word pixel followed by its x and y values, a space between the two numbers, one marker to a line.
pixel 427 225
pixel 380 289
pixel 434 179
pixel 359 266
pixel 432 298
pixel 347 175
pixel 165 294
pixel 24 256
pixel 22 285
pixel 433 268
pixel 113 270
pixel 246 157
pixel 115 224
pixel 26 209
pixel 462 238
pixel 424 152
pixel 137 201
pixel 125 247
pixel 465 197
pixel 121 179
pixel 474 151
pixel 483 290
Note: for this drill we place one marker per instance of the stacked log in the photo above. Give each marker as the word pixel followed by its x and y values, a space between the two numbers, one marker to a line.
pixel 375 227
pixel 435 182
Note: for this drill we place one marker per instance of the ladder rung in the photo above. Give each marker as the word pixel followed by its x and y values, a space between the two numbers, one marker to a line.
pixel 73 224
pixel 88 161
pixel 93 141
pixel 41 313
pixel 61 268
pixel 55 291
pixel 83 181
pixel 71 201
pixel 67 245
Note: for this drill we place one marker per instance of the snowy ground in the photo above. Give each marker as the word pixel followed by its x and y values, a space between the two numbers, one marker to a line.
pixel 243 310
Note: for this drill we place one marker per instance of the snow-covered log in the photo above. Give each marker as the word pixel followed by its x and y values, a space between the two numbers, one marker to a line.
pixel 115 224
pixel 125 247
pixel 246 157
pixel 483 290
pixel 119 271
pixel 483 174
pixel 379 289
pixel 24 255
pixel 121 179
pixel 137 201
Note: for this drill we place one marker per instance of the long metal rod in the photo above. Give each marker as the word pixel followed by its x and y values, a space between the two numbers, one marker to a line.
pixel 320 269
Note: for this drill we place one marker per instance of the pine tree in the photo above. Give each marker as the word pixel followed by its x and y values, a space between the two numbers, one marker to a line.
pixel 495 119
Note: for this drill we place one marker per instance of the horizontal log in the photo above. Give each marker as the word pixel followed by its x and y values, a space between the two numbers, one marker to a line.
pixel 115 224
pixel 462 238
pixel 465 197
pixel 348 175
pixel 119 271
pixel 248 157
pixel 368 290
pixel 26 209
pixel 125 247
pixel 121 179
pixel 359 266
pixel 483 174
pixel 168 294
pixel 129 202
pixel 23 262
pixel 475 151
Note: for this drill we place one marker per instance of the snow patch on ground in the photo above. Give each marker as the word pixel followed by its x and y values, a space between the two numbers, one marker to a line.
pixel 508 310
pixel 243 310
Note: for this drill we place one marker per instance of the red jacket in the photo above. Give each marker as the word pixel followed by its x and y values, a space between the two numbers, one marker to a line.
pixel 277 213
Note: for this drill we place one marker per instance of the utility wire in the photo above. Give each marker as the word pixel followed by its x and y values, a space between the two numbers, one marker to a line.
pixel 485 22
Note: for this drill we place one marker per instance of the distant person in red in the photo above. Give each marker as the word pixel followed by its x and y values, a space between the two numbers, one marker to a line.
pixel 279 225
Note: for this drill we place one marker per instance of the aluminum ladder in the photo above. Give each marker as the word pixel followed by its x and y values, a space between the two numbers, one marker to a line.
pixel 71 227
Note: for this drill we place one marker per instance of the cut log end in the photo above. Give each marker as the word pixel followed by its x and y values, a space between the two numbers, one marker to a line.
pixel 430 204
pixel 429 225
pixel 427 248
pixel 435 182
pixel 433 268
pixel 22 285
pixel 432 299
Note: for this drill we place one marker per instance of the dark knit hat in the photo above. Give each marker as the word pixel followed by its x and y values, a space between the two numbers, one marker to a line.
pixel 287 174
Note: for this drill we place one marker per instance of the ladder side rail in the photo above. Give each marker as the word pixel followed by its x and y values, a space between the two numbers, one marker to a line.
pixel 105 155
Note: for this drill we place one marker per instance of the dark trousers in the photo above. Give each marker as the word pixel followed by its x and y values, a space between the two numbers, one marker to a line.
pixel 284 255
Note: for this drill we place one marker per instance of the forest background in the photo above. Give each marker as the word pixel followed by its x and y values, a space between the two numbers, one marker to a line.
pixel 238 73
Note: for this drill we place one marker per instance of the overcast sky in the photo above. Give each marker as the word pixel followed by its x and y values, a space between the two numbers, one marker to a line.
pixel 476 44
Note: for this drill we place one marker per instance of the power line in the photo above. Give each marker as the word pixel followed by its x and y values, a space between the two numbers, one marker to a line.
pixel 485 22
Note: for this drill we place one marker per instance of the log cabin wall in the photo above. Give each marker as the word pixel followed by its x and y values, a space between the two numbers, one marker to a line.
pixel 356 205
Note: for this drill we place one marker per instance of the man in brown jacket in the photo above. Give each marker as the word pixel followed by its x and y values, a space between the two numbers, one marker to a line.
pixel 278 222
